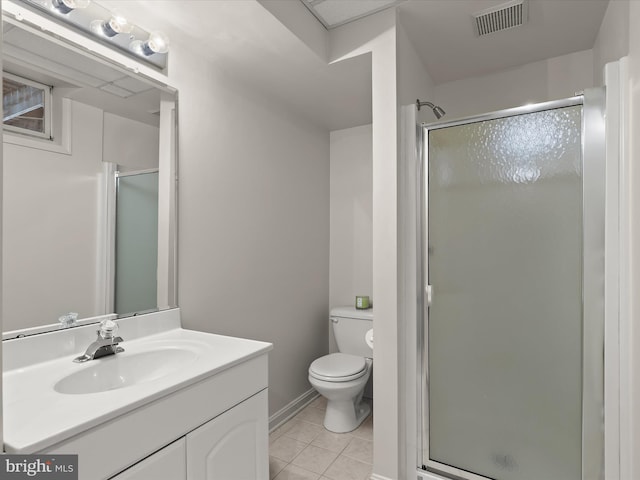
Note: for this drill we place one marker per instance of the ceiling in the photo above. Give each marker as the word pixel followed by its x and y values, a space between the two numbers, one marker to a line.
pixel 445 38
pixel 443 34
pixel 248 41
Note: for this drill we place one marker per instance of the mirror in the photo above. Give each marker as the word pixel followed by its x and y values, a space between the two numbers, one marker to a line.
pixel 88 196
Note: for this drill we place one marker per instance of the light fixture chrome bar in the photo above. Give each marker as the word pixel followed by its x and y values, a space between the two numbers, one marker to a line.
pixel 107 27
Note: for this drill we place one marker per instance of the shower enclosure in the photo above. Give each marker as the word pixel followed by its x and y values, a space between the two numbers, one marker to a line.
pixel 512 254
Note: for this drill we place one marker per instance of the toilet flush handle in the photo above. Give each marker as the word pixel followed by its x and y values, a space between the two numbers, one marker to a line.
pixel 334 320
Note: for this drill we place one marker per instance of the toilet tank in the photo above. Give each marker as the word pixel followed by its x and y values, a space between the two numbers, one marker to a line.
pixel 349 328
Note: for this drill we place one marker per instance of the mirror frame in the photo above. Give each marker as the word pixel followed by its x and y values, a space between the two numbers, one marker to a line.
pixel 61 35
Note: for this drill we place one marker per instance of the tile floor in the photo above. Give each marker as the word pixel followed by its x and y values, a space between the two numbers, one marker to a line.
pixel 302 449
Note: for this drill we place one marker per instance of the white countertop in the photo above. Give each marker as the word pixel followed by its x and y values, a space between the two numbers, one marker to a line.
pixel 36 416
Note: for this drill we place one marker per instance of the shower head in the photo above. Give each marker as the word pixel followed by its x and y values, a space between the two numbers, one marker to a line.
pixel 437 111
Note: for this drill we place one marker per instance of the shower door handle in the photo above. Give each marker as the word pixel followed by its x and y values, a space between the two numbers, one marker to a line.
pixel 428 290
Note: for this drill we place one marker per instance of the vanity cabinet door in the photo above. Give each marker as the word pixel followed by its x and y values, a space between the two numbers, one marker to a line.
pixel 169 463
pixel 232 446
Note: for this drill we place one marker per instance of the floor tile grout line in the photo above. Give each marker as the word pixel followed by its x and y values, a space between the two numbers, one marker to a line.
pixel 334 461
pixel 357 459
pixel 307 470
pixel 289 464
pixel 278 472
pixel 321 449
pixel 328 466
pixel 301 441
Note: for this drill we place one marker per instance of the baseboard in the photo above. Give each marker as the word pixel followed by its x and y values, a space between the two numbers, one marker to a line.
pixel 292 408
pixel 378 477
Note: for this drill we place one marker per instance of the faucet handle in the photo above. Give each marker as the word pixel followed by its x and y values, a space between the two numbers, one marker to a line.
pixel 108 329
pixel 68 319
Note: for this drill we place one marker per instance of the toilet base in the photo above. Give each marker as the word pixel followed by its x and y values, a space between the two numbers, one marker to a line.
pixel 343 416
pixel 345 408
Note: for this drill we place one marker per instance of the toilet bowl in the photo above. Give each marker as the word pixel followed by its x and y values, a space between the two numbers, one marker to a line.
pixel 342 377
pixel 343 389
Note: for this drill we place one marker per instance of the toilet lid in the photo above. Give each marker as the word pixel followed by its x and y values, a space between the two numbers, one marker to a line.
pixel 338 365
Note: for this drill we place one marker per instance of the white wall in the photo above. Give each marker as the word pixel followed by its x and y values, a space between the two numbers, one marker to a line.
pixel 253 222
pixel 612 42
pixel 302 23
pixel 551 79
pixel 398 77
pixel 131 144
pixel 630 457
pixel 50 223
pixel 376 34
pixel 351 241
pixel 414 83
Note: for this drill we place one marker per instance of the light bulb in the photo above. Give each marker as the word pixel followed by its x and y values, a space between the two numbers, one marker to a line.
pixel 66 6
pixel 157 42
pixel 116 24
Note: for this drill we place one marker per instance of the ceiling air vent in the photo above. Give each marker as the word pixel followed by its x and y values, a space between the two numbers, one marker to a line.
pixel 501 17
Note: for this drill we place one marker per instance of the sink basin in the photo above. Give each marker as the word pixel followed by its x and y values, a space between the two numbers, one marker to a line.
pixel 48 400
pixel 124 370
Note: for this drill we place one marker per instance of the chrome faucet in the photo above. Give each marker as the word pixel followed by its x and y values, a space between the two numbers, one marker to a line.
pixel 106 343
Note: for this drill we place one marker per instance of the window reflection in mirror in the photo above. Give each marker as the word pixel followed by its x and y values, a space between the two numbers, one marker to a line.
pixel 25 106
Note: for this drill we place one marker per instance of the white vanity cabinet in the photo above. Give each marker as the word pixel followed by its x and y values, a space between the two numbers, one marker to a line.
pixel 200 418
pixel 170 462
pixel 232 446
pixel 212 428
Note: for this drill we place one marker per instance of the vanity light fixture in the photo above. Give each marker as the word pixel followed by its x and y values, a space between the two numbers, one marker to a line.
pixel 67 6
pixel 112 29
pixel 157 42
pixel 115 25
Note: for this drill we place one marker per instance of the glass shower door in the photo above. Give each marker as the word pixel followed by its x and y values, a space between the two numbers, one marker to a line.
pixel 136 272
pixel 504 333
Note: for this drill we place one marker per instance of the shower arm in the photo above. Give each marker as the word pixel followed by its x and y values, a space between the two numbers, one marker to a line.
pixel 437 111
pixel 423 104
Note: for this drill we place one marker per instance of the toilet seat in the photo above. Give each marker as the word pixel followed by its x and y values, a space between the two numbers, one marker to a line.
pixel 338 367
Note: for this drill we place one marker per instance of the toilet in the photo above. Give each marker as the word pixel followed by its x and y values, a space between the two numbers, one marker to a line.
pixel 341 377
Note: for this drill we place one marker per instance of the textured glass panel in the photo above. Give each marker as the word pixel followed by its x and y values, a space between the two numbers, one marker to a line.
pixel 505 325
pixel 137 243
